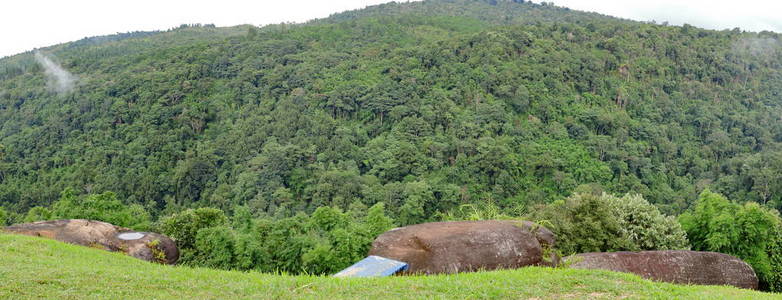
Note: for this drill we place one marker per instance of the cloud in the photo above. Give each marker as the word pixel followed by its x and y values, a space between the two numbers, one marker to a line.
pixel 750 15
pixel 59 80
pixel 757 46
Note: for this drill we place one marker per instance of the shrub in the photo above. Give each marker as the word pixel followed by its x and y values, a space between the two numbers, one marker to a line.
pixel 377 221
pixel 592 223
pixel 484 211
pixel 773 280
pixel 37 213
pixel 583 223
pixel 750 232
pixel 324 242
pixel 645 226
pixel 183 227
pixel 250 253
pixel 101 207
pixel 216 246
pixel 3 217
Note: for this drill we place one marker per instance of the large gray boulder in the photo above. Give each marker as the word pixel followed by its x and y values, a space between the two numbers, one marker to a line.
pixel 452 247
pixel 675 266
pixel 148 246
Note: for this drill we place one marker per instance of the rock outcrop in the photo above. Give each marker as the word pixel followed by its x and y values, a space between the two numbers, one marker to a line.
pixel 452 247
pixel 545 237
pixel 143 245
pixel 683 267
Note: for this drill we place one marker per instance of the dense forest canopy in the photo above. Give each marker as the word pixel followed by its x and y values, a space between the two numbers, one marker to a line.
pixel 423 106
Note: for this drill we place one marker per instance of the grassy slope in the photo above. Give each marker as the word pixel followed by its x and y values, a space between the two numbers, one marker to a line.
pixel 38 268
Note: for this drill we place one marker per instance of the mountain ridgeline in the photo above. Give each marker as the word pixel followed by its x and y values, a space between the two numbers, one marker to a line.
pixel 424 106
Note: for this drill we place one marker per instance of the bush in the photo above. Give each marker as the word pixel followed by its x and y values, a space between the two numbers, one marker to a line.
pixel 645 226
pixel 592 223
pixel 484 211
pixel 750 232
pixel 583 223
pixel 773 280
pixel 101 207
pixel 3 217
pixel 183 227
pixel 250 253
pixel 324 242
pixel 37 213
pixel 216 246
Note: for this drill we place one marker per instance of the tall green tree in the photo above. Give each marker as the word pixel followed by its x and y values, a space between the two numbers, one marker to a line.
pixel 750 232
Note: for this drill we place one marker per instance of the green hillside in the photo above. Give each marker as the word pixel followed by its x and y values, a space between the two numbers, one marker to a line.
pixel 290 147
pixel 44 269
pixel 513 103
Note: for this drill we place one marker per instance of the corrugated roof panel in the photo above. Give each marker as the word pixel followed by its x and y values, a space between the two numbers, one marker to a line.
pixel 373 266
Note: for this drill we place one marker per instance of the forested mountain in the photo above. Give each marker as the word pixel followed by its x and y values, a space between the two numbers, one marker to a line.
pixel 423 106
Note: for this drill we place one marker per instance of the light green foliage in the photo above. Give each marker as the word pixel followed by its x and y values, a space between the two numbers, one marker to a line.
pixel 100 207
pixel 488 211
pixel 644 225
pixel 583 223
pixel 242 219
pixel 183 227
pixel 750 232
pixel 773 279
pixel 600 223
pixel 3 217
pixel 326 242
pixel 377 221
pixel 418 197
pixel 37 213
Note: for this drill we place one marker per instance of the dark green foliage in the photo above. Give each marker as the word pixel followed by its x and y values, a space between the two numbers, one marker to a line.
pixel 324 242
pixel 215 247
pixel 3 217
pixel 424 106
pixel 747 231
pixel 184 227
pixel 100 207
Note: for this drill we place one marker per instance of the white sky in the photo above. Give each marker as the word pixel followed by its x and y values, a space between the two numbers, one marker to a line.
pixel 28 24
pixel 750 15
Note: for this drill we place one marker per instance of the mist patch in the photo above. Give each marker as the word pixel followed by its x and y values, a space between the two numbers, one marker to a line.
pixel 58 79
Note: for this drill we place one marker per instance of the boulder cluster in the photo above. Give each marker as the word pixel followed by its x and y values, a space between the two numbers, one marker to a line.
pixel 444 248
pixel 452 247
pixel 148 246
pixel 676 266
pixel 466 246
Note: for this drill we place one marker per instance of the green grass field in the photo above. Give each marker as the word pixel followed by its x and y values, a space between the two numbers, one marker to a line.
pixel 39 268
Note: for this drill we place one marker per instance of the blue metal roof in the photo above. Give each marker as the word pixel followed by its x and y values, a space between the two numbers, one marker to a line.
pixel 373 266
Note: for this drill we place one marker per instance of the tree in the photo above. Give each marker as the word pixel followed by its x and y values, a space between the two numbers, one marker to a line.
pixel 750 232
pixel 216 247
pixel 37 213
pixel 644 225
pixel 377 221
pixel 584 223
pixel 184 227
pixel 3 217
pixel 602 223
pixel 100 207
